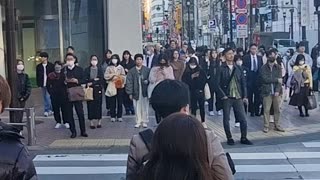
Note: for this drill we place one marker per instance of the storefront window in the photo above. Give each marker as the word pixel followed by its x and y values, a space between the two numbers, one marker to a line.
pixel 38 30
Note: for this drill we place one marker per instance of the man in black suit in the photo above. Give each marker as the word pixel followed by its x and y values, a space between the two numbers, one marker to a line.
pixel 151 58
pixel 253 63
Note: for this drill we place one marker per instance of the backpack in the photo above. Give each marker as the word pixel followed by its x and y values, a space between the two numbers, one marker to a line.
pixel 147 136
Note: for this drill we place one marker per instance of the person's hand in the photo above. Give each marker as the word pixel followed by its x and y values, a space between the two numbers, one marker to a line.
pixel 89 84
pixel 130 97
pixel 245 100
pixel 126 70
pixel 194 75
pixel 74 80
pixel 280 80
pixel 146 81
pixel 96 79
pixel 225 98
pixel 21 99
pixel 276 94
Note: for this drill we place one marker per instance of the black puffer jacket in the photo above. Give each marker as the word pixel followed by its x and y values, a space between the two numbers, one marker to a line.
pixel 15 162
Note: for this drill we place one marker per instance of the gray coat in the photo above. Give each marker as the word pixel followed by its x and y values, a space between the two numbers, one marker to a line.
pixel 132 82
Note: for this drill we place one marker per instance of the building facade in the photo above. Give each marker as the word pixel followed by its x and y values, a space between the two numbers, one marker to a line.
pixel 90 26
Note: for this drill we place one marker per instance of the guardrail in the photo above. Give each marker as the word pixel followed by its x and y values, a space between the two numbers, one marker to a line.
pixel 29 123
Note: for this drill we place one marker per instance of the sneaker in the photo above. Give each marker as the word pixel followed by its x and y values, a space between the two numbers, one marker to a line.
pixel 67 125
pixel 113 119
pixel 230 142
pixel 50 113
pixel 45 114
pixel 220 113
pixel 58 126
pixel 265 130
pixel 211 113
pixel 144 125
pixel 137 126
pixel 204 125
pixel 237 125
pixel 206 103
pixel 271 119
pixel 245 141
pixel 120 119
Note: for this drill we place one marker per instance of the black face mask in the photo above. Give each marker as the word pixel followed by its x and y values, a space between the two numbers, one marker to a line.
pixel 162 64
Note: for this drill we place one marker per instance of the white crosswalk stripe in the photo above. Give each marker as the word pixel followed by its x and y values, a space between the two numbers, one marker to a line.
pixel 278 165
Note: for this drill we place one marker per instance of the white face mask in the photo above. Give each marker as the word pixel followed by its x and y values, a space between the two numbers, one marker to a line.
pixel 301 62
pixel 20 67
pixel 148 53
pixel 288 54
pixel 94 63
pixel 114 61
pixel 70 63
pixel 239 63
pixel 193 66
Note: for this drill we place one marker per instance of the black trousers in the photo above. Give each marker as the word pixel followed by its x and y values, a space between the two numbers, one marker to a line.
pixel 95 107
pixel 80 113
pixel 127 103
pixel 254 99
pixel 59 105
pixel 236 115
pixel 238 108
pixel 211 100
pixel 116 104
pixel 198 100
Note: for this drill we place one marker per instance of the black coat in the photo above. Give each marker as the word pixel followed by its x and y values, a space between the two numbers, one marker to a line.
pixel 196 84
pixel 56 85
pixel 94 82
pixel 15 161
pixel 77 73
pixel 23 86
pixel 40 72
pixel 128 65
pixel 223 81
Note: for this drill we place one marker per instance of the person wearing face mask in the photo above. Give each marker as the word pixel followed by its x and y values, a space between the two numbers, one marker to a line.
pixel 115 73
pixel 302 84
pixel 239 62
pixel 271 90
pixel 159 73
pixel 58 94
pixel 94 79
pixel 127 63
pixel 74 76
pixel 23 90
pixel 151 59
pixel 196 79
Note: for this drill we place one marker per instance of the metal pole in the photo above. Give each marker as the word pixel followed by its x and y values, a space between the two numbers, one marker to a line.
pixel 61 30
pixel 251 21
pixel 231 29
pixel 11 53
pixel 284 23
pixel 189 26
pixel 318 12
pixel 291 26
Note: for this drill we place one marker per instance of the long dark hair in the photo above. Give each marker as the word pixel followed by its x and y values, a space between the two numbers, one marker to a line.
pixel 126 52
pixel 179 151
pixel 298 59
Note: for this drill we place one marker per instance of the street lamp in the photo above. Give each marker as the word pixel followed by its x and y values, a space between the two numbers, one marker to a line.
pixel 188 3
pixel 284 21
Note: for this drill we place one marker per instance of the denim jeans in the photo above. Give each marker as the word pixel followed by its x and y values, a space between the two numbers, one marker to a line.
pixel 46 100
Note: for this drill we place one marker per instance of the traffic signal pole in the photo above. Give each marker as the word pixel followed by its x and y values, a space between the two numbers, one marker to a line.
pixel 10 23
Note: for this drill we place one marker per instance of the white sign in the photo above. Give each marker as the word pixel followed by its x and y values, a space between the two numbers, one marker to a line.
pixel 241 11
pixel 305 13
pixel 212 25
pixel 242 31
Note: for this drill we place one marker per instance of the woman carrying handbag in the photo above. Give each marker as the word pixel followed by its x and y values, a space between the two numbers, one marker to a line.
pixel 94 80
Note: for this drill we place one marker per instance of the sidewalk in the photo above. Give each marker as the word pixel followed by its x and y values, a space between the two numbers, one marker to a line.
pixel 119 134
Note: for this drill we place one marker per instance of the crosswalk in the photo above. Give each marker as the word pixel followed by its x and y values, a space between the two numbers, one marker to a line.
pixel 249 165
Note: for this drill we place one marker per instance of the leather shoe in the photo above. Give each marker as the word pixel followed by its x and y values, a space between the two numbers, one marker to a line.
pixel 84 134
pixel 73 135
pixel 230 142
pixel 245 141
pixel 279 129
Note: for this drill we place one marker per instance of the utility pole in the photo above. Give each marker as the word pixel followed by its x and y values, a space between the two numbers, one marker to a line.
pixel 317 5
pixel 284 21
pixel 11 53
pixel 189 22
pixel 291 16
pixel 231 29
pixel 251 21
